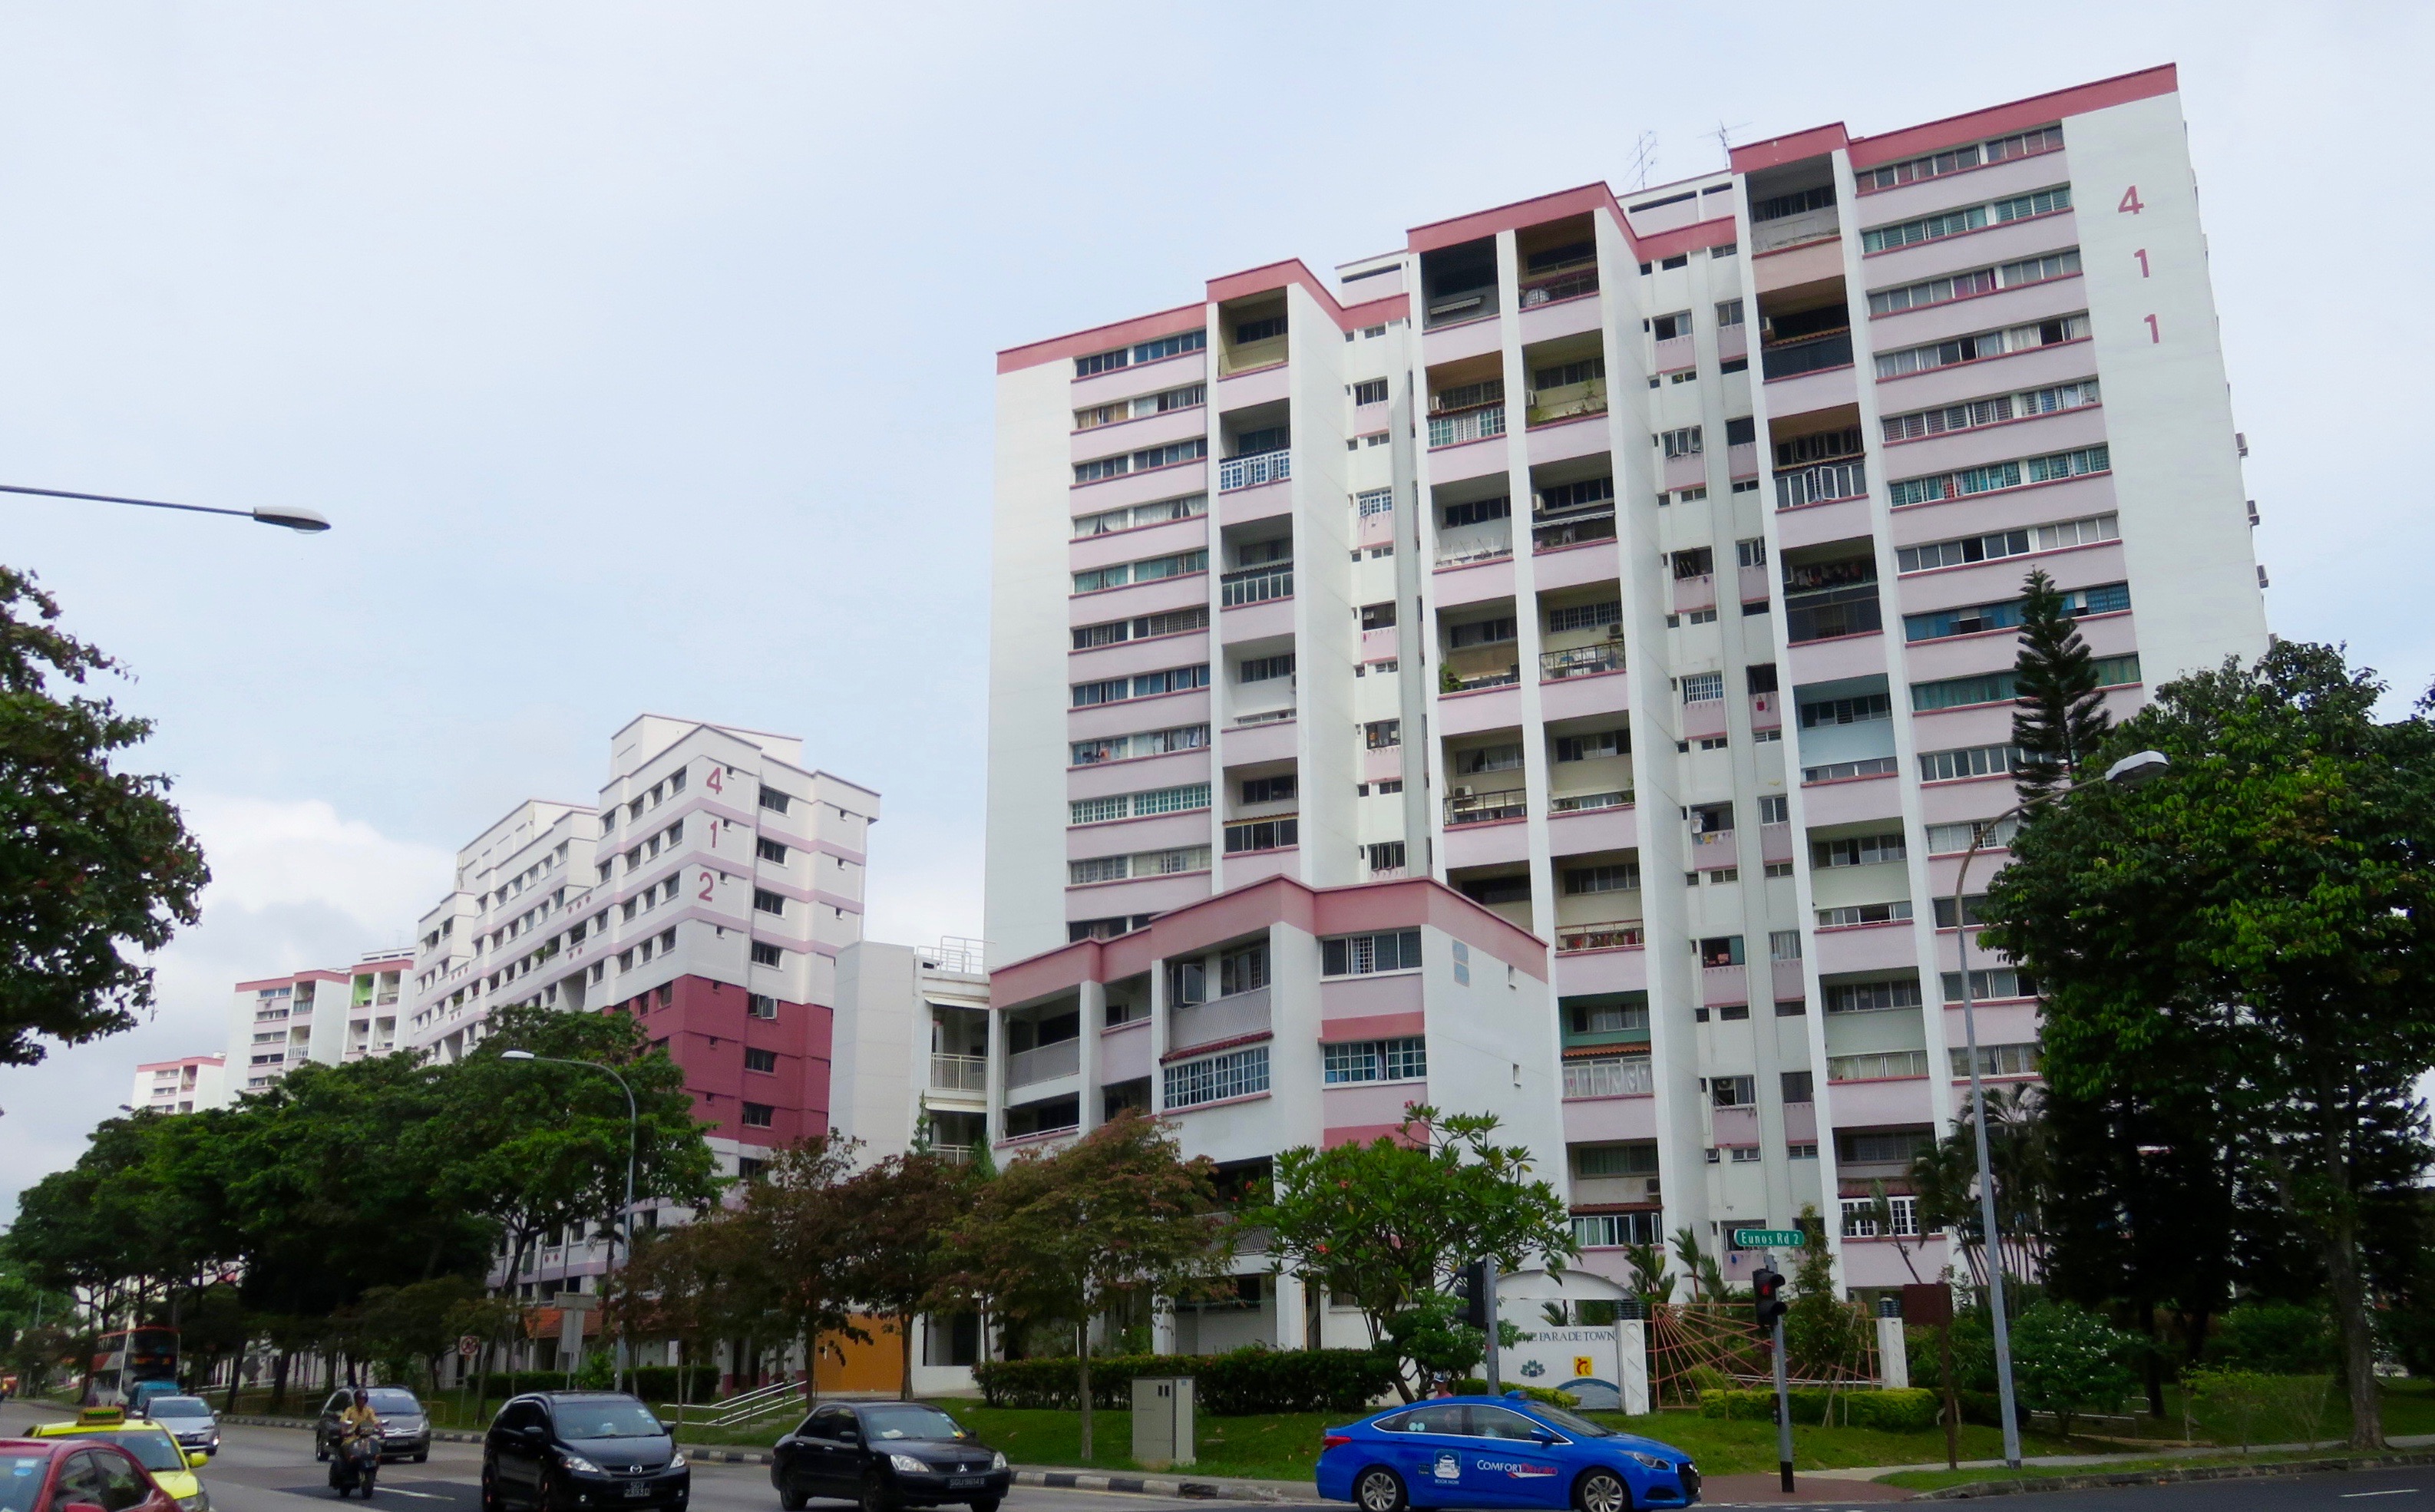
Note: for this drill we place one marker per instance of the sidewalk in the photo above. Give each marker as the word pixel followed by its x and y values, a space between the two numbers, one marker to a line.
pixel 1870 1472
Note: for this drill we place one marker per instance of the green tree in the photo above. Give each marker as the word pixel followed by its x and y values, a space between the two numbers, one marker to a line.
pixel 2068 1361
pixel 1387 1226
pixel 2256 924
pixel 1116 1216
pixel 897 1214
pixel 1823 1337
pixel 797 1221
pixel 97 867
pixel 1944 1177
pixel 2060 717
pixel 415 1325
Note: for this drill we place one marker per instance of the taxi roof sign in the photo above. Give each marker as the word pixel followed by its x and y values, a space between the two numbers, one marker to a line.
pixel 100 1417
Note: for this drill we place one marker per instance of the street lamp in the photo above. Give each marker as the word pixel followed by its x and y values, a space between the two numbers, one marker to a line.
pixel 303 521
pixel 2133 771
pixel 633 1135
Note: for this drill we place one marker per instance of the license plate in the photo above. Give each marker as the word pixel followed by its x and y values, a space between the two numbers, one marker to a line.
pixel 966 1483
pixel 638 1488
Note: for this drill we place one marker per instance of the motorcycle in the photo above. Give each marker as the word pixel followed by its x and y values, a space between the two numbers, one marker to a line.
pixel 355 1464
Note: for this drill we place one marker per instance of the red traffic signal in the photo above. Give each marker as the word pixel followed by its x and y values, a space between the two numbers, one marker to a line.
pixel 1766 1295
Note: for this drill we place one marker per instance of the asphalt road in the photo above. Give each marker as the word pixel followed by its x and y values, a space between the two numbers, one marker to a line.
pixel 272 1470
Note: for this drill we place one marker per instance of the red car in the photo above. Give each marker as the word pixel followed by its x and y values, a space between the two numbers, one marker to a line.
pixel 76 1475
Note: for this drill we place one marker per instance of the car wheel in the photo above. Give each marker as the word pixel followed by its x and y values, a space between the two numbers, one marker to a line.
pixel 321 1447
pixel 986 1503
pixel 1601 1491
pixel 878 1495
pixel 1379 1490
pixel 422 1457
pixel 791 1497
pixel 490 1494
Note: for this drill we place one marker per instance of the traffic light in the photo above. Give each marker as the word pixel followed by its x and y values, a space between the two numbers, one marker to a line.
pixel 1766 1295
pixel 1472 1286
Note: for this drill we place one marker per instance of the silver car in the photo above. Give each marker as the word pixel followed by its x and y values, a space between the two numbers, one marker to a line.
pixel 189 1419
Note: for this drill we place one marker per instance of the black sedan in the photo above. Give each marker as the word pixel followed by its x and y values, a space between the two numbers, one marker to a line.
pixel 887 1455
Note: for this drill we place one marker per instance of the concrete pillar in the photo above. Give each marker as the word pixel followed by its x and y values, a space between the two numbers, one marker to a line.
pixel 1632 1366
pixel 1292 1316
pixel 1894 1356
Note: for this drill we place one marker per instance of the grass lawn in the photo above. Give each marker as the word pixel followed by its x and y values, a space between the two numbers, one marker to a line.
pixel 1931 1480
pixel 1729 1447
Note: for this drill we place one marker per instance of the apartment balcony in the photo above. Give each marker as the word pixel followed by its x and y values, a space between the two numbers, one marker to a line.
pixel 1812 354
pixel 1571 284
pixel 1258 585
pixel 1479 544
pixel 1486 808
pixel 1822 484
pixel 1609 1076
pixel 1833 615
pixel 953 1154
pixel 1456 306
pixel 1581 661
pixel 1619 935
pixel 1459 427
pixel 1194 1025
pixel 1573 530
pixel 1572 401
pixel 1791 231
pixel 1715 849
pixel 1697 592
pixel 960 1074
pixel 1724 985
pixel 1251 471
pixel 1616 798
pixel 1026 1068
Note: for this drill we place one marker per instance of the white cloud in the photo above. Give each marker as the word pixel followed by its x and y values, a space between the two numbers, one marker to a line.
pixel 293 885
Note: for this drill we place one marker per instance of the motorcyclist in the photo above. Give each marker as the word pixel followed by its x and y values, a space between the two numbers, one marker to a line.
pixel 359 1440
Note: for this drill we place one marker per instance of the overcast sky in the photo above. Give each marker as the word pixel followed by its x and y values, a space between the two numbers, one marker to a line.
pixel 641 355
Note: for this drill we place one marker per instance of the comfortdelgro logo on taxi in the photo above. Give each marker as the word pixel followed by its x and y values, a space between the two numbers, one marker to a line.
pixel 1516 1468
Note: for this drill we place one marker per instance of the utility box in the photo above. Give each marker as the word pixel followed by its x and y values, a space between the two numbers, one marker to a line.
pixel 1163 1433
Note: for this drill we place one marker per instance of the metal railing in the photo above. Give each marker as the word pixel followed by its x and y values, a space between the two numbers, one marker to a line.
pixel 1257 585
pixel 959 1074
pixel 1615 1076
pixel 1581 661
pixel 1456 682
pixel 1585 802
pixel 1491 550
pixel 1043 1063
pixel 1576 531
pixel 1227 1018
pixel 1820 483
pixel 1467 426
pixel 1624 934
pixel 1566 285
pixel 1252 471
pixel 953 1154
pixel 1792 359
pixel 765 1401
pixel 1486 808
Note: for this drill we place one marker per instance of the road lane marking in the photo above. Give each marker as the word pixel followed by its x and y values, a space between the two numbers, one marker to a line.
pixel 2353 1496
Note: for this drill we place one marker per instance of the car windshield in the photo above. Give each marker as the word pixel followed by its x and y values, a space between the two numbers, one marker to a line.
pixel 1573 1423
pixel 391 1400
pixel 606 1419
pixel 152 1446
pixel 181 1407
pixel 23 1481
pixel 910 1421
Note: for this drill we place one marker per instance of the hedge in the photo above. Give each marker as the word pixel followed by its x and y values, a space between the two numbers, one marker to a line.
pixel 1911 1410
pixel 1241 1381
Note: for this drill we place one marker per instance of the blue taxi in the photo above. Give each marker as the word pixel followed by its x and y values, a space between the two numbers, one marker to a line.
pixel 1499 1451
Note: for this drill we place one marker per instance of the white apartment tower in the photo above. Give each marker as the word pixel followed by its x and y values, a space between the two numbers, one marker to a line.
pixel 1645 570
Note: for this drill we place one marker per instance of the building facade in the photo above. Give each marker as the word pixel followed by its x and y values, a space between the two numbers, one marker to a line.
pixel 279 1022
pixel 180 1085
pixel 1645 570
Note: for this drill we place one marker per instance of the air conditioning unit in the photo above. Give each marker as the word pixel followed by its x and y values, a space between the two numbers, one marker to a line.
pixel 1652 1188
pixel 1614 632
pixel 1460 791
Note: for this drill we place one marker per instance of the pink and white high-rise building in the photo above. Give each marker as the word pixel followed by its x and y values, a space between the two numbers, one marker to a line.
pixel 1645 570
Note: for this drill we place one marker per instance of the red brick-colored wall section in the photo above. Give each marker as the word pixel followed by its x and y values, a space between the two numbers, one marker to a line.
pixel 708 1027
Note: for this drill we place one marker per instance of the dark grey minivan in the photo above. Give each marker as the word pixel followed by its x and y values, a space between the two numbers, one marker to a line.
pixel 565 1451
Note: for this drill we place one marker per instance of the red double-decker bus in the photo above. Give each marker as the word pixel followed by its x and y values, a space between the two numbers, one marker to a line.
pixel 123 1358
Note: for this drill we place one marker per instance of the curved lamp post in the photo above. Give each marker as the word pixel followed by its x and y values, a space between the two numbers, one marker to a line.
pixel 2131 771
pixel 303 521
pixel 634 1137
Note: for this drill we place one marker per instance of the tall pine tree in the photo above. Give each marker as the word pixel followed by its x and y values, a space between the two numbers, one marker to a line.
pixel 2060 717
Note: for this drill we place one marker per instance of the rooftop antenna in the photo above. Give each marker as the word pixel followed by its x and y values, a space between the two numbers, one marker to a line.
pixel 1725 139
pixel 1644 158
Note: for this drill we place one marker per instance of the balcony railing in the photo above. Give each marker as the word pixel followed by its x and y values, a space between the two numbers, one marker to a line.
pixel 1821 484
pixel 1252 471
pixel 1618 798
pixel 1227 1018
pixel 1715 845
pixel 1486 808
pixel 1792 359
pixel 1837 612
pixel 1623 935
pixel 1575 530
pixel 1591 401
pixel 1025 1067
pixel 959 1074
pixel 1265 716
pixel 1609 1076
pixel 1581 661
pixel 1456 682
pixel 1464 554
pixel 1255 585
pixel 1570 285
pixel 1467 426
pixel 953 1154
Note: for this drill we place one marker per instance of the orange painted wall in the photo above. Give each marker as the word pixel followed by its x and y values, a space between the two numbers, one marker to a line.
pixel 877 1366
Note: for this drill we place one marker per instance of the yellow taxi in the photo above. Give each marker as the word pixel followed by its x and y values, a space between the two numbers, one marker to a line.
pixel 152 1445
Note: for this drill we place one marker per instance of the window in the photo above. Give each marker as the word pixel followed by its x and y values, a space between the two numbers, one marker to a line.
pixel 2105 598
pixel 1863 1219
pixel 1586 616
pixel 1504 758
pixel 2055 468
pixel 2005 543
pixel 1370 391
pixel 1733 1092
pixel 1700 687
pixel 1141 628
pixel 1796 1087
pixel 1106 522
pixel 1970 906
pixel 759 1115
pixel 1881 1146
pixel 1774 808
pixel 1858 851
pixel 1729 312
pixel 1669 327
pixel 1607 1018
pixel 1387 856
pixel 2001 408
pixel 1269 789
pixel 1615 1230
pixel 1367 954
pixel 1975 761
pixel 1857 913
pixel 1969 219
pixel 1262 835
pixel 1374 501
pixel 1478 511
pixel 763 954
pixel 1982 345
pixel 1143 864
pixel 1377 1060
pixel 1883 1065
pixel 1870 997
pixel 1265 668
pixel 1991 985
pixel 1143 685
pixel 1148 743
pixel 1189 397
pixel 767 902
pixel 1483 633
pixel 1149 570
pixel 1379 734
pixel 1609 1076
pixel 771 799
pixel 1592 747
pixel 2019 274
pixel 1996 687
pixel 1378 616
pixel 1594 1161
pixel 1264 329
pixel 1997 1061
pixel 1617 877
pixel 1684 442
pixel 769 851
pixel 1558 498
pixel 2022 145
pixel 1237 1074
pixel 1721 950
pixel 1952 839
pixel 760 1004
pixel 1800 201
pixel 761 1060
